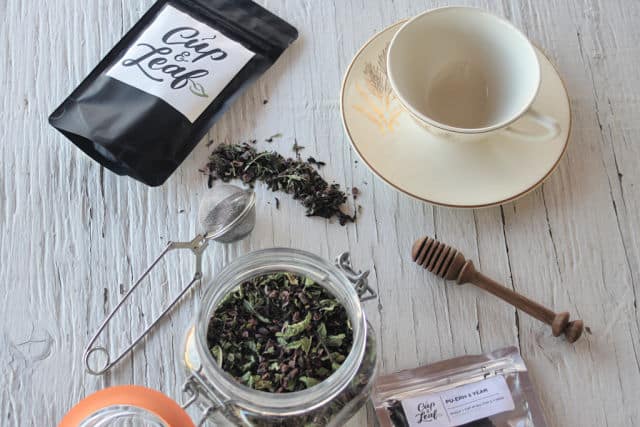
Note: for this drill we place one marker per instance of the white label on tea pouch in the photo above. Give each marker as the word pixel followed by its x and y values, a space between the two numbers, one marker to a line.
pixel 182 61
pixel 460 405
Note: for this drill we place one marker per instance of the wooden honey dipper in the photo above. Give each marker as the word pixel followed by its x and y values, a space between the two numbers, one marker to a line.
pixel 448 263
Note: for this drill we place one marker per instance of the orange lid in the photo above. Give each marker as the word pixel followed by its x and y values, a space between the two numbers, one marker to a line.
pixel 152 401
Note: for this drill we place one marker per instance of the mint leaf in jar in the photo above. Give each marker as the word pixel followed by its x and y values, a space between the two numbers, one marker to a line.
pixel 274 333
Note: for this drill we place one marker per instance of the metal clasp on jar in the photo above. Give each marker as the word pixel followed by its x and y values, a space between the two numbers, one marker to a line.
pixel 360 279
pixel 191 390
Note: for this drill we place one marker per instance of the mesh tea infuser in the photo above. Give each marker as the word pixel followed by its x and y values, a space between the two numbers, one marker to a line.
pixel 226 214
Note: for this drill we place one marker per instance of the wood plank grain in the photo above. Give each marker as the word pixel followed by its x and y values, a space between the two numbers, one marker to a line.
pixel 73 236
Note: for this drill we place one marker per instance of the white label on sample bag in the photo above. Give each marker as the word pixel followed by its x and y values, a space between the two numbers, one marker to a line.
pixel 460 405
pixel 182 61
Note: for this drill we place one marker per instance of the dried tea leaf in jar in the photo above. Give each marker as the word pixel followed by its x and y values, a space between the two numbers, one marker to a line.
pixel 279 333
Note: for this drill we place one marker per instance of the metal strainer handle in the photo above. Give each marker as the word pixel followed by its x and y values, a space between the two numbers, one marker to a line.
pixel 227 215
pixel 197 246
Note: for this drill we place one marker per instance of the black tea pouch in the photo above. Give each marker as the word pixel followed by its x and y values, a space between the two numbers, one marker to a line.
pixel 146 105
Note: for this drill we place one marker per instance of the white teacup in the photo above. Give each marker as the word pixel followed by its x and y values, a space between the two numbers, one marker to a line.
pixel 466 73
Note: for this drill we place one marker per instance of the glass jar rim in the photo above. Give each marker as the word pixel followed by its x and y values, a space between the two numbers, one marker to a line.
pixel 272 260
pixel 127 401
pixel 120 413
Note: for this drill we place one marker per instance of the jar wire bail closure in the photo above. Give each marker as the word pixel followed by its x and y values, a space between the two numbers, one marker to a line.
pixel 359 279
pixel 190 389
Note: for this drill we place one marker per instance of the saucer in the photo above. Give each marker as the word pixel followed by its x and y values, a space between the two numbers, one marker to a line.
pixel 438 170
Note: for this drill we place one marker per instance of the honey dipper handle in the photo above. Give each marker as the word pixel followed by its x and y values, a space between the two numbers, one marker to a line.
pixel 559 322
pixel 525 304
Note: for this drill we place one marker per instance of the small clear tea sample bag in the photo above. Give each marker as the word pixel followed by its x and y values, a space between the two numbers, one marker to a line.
pixel 485 390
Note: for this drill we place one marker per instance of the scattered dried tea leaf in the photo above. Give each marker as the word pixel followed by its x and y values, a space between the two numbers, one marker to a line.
pixel 272 137
pixel 315 162
pixel 297 148
pixel 292 176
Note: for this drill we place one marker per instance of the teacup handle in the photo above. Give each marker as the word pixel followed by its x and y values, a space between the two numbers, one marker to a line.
pixel 551 126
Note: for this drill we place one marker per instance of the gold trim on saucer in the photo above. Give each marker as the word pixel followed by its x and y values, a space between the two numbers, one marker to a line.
pixel 389 127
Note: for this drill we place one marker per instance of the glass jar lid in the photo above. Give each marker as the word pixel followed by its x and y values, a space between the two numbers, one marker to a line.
pixel 122 405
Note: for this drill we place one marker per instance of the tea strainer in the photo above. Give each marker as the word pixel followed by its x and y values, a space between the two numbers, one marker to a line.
pixel 226 214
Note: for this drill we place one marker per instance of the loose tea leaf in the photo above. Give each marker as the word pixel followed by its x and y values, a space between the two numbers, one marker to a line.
pixel 355 192
pixel 350 399
pixel 315 162
pixel 279 333
pixel 293 176
pixel 272 137
pixel 297 148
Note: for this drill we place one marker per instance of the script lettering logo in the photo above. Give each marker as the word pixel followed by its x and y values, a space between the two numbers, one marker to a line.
pixel 427 412
pixel 176 58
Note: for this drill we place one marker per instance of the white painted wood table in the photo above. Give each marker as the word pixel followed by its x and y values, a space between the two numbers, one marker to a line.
pixel 72 235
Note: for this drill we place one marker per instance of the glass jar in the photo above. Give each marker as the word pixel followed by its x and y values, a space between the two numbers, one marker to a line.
pixel 332 401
